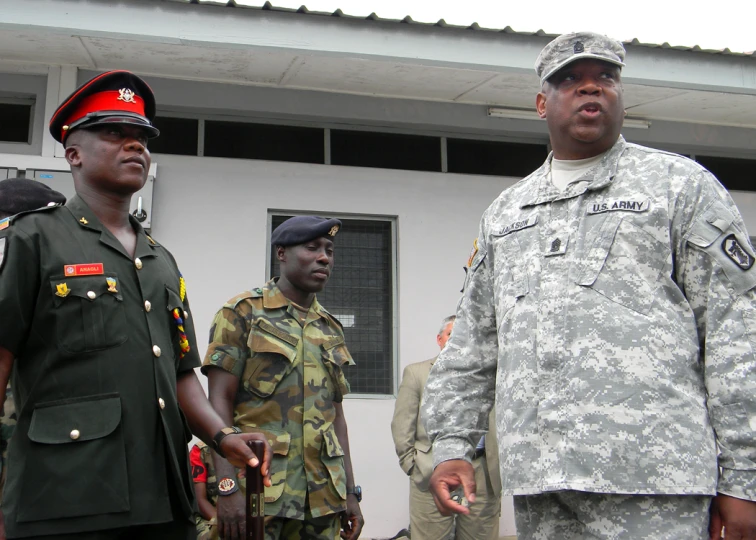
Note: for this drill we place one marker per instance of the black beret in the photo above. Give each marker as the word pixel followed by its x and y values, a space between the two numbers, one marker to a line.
pixel 113 97
pixel 301 229
pixel 21 195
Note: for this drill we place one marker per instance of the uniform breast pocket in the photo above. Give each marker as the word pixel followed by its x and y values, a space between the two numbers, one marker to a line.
pixel 89 312
pixel 623 263
pixel 511 281
pixel 273 354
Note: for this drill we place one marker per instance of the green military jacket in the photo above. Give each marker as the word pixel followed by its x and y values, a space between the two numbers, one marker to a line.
pixel 291 376
pixel 100 435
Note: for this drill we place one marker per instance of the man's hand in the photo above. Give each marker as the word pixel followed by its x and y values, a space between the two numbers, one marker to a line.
pixel 737 516
pixel 232 516
pixel 239 454
pixel 352 520
pixel 447 477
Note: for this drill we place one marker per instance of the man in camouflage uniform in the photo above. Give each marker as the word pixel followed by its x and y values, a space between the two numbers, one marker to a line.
pixel 274 366
pixel 205 490
pixel 610 311
pixel 18 195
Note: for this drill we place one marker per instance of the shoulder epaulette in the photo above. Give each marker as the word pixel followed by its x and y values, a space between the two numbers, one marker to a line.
pixel 254 293
pixel 13 218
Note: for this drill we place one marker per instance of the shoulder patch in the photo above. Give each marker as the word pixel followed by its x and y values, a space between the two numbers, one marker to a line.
pixel 4 223
pixel 737 253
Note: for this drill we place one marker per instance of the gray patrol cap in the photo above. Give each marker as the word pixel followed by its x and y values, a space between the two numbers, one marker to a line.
pixel 570 47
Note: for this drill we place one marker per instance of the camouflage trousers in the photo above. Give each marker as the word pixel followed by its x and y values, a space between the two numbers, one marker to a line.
pixel 573 515
pixel 206 530
pixel 320 528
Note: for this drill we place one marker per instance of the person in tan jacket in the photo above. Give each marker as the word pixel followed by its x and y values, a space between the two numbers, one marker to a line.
pixel 415 458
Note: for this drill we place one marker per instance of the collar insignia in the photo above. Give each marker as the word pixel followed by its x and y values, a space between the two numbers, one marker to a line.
pixel 84 221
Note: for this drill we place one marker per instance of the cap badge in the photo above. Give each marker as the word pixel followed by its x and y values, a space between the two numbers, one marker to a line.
pixel 62 290
pixel 126 95
pixel 111 285
pixel 333 230
pixel 578 48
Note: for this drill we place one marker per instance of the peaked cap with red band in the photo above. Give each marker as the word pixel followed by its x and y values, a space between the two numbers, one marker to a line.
pixel 114 97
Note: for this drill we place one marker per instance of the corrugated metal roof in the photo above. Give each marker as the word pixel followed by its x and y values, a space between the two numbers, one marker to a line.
pixel 267 6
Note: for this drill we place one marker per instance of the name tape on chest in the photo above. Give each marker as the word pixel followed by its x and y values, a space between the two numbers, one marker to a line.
pixel 619 204
pixel 89 269
pixel 517 226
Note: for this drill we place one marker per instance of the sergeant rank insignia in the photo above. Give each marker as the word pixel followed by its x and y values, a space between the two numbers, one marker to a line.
pixel 62 290
pixel 111 285
pixel 735 251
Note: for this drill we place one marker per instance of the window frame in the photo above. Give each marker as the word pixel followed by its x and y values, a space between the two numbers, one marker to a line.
pixel 394 262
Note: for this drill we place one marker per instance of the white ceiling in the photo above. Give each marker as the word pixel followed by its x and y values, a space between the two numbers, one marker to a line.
pixel 20 49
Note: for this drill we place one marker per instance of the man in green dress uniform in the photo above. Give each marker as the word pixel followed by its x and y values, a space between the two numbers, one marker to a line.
pixel 96 316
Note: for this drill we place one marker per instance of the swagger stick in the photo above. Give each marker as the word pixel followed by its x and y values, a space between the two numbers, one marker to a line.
pixel 256 495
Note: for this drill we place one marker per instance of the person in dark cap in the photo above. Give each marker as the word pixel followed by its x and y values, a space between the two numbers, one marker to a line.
pixel 21 195
pixel 609 316
pixel 102 335
pixel 18 195
pixel 274 366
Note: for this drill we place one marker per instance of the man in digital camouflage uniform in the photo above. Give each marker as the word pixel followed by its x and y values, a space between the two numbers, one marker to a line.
pixel 610 309
pixel 18 195
pixel 274 366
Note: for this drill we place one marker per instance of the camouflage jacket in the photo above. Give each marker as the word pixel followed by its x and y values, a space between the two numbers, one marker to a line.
pixel 290 377
pixel 614 322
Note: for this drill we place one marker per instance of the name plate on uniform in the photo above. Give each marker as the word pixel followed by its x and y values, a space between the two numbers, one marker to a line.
pixel 90 269
pixel 517 226
pixel 619 204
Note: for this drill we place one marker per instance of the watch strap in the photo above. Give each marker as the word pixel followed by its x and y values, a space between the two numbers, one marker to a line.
pixel 218 437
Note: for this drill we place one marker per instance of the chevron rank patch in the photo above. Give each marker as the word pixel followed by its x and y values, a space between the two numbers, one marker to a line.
pixel 737 253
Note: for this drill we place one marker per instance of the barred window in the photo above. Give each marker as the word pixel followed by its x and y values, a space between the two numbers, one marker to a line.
pixel 360 294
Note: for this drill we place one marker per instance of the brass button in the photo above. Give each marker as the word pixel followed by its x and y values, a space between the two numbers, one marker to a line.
pixel 156 350
pixel 74 434
pixel 91 295
pixel 138 263
pixel 161 402
pixel 147 306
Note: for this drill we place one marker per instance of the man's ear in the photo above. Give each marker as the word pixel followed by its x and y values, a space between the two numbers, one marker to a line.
pixel 73 155
pixel 438 340
pixel 541 104
pixel 281 253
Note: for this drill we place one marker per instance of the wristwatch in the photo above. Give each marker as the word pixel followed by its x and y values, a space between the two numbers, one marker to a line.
pixel 218 437
pixel 227 486
pixel 356 491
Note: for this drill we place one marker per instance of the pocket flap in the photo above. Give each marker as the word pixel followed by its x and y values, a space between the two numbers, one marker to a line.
pixel 174 300
pixel 337 353
pixel 715 221
pixel 75 420
pixel 331 446
pixel 596 255
pixel 267 338
pixel 423 446
pixel 85 287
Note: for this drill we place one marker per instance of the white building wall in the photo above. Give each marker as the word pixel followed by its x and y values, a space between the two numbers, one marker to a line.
pixel 212 214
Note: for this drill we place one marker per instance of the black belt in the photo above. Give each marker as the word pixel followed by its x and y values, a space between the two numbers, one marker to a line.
pixel 479 452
